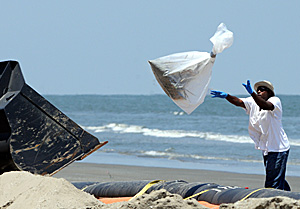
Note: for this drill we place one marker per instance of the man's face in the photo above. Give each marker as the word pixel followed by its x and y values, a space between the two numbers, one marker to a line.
pixel 263 92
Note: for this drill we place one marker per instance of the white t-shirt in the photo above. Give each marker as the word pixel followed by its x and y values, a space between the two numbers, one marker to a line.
pixel 265 127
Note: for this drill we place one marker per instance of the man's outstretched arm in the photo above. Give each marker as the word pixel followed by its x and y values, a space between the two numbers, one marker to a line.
pixel 232 99
pixel 235 100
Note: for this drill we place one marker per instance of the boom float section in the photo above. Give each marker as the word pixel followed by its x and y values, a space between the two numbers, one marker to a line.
pixel 208 192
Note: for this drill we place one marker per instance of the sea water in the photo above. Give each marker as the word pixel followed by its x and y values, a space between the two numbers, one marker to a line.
pixel 150 130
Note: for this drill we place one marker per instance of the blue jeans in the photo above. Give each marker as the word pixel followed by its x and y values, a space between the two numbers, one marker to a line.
pixel 275 164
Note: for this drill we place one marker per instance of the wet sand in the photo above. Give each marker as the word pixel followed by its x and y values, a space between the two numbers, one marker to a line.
pixel 89 172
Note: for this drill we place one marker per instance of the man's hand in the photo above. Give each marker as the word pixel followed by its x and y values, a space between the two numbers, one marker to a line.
pixel 248 87
pixel 219 94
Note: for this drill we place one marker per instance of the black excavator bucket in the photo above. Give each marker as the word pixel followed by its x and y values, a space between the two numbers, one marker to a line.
pixel 34 135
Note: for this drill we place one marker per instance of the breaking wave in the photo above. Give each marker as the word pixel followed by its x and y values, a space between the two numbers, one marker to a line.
pixel 136 129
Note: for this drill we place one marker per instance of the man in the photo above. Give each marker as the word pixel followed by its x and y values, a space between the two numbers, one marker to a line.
pixel 265 129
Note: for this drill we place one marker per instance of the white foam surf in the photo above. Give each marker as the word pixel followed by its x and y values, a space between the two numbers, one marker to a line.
pixel 126 128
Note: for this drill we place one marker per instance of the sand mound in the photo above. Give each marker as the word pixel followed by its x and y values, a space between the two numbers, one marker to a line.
pixel 158 200
pixel 266 203
pixel 21 189
pixel 25 190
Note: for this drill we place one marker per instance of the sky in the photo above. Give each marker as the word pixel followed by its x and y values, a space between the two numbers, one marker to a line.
pixel 102 47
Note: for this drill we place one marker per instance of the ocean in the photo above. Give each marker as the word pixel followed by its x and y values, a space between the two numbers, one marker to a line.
pixel 150 130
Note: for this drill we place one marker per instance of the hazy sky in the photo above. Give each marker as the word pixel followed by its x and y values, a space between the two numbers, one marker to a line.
pixel 102 47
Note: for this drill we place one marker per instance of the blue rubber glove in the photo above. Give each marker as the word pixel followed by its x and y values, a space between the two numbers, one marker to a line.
pixel 248 87
pixel 219 94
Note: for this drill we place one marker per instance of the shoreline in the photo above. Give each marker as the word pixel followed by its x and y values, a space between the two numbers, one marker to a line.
pixel 93 172
pixel 211 165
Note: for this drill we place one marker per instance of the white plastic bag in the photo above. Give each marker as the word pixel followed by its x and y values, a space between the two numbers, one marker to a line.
pixel 185 77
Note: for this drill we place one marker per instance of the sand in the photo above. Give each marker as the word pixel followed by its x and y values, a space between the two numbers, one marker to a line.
pixel 158 199
pixel 20 189
pixel 270 203
pixel 25 190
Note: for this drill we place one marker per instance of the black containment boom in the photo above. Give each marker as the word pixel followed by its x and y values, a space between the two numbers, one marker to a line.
pixel 34 135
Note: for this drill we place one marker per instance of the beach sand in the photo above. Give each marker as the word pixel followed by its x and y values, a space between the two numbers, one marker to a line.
pixel 22 189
